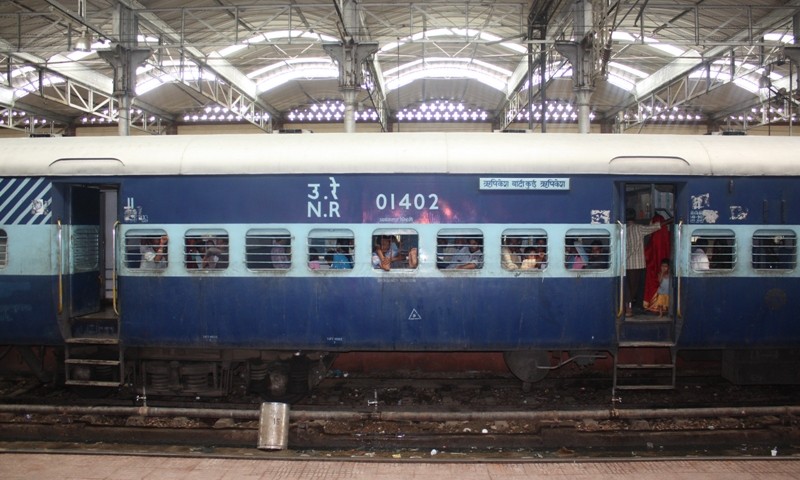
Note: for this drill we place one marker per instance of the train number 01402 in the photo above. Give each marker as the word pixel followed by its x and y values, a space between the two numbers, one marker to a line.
pixel 417 202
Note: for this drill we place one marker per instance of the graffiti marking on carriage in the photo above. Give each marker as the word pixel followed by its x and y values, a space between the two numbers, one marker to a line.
pixel 133 213
pixel 414 315
pixel 601 216
pixel 703 216
pixel 40 206
pixel 701 213
pixel 738 213
pixel 701 201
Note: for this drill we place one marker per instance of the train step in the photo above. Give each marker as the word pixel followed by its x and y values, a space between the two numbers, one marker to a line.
pixel 91 361
pixel 640 366
pixel 645 387
pixel 91 383
pixel 93 340
pixel 648 319
pixel 645 366
pixel 645 343
pixel 94 357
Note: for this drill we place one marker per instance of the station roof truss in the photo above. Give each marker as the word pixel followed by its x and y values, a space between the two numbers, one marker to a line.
pixel 718 62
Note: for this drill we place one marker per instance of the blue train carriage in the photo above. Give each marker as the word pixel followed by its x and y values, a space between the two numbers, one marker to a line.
pixel 183 264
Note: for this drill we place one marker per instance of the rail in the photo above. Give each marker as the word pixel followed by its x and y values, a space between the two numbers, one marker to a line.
pixel 60 260
pixel 114 267
pixel 678 272
pixel 621 257
pixel 432 415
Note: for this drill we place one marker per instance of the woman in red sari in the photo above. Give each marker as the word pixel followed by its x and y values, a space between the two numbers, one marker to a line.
pixel 659 248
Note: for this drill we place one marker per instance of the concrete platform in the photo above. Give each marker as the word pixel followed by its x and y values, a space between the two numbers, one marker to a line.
pixel 33 466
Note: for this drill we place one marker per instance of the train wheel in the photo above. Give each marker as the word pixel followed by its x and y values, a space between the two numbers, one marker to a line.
pixel 527 365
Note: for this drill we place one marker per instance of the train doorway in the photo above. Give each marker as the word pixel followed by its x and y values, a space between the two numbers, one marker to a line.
pixel 647 205
pixel 646 327
pixel 88 248
pixel 83 246
pixel 89 322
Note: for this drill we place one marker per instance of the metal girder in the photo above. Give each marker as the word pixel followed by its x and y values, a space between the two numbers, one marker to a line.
pixel 682 90
pixel 73 85
pixel 377 93
pixel 779 89
pixel 64 90
pixel 219 92
pixel 238 84
pixel 21 117
pixel 682 66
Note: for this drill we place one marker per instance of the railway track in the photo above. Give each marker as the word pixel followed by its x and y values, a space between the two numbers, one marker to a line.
pixel 428 418
pixel 426 430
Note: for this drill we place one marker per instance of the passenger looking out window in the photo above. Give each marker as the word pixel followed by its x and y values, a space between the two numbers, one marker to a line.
pixel 281 253
pixel 469 257
pixel 212 255
pixel 576 258
pixel 511 254
pixel 713 250
pixel 330 249
pixel 342 257
pixel 395 249
pixel 700 261
pixel 146 249
pixel 459 249
pixel 386 253
pixel 598 256
pixel 206 250
pixel 267 249
pixel 533 259
pixel 154 252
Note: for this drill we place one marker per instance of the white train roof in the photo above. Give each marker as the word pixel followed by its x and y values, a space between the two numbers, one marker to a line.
pixel 484 153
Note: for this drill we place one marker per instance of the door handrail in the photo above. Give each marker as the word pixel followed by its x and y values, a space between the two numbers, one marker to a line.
pixel 114 267
pixel 678 266
pixel 622 258
pixel 60 260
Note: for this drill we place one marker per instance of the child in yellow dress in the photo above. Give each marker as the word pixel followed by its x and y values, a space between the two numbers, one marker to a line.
pixel 660 303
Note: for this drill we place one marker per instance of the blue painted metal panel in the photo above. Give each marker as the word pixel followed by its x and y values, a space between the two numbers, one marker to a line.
pixel 742 312
pixel 366 313
pixel 352 198
pixel 28 310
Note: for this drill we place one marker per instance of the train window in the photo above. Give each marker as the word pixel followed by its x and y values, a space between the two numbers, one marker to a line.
pixel 268 249
pixel 587 249
pixel 395 249
pixel 3 248
pixel 205 249
pixel 524 249
pixel 713 250
pixel 330 249
pixel 774 250
pixel 459 249
pixel 146 249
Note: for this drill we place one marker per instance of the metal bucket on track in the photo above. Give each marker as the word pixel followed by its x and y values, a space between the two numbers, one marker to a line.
pixel 273 428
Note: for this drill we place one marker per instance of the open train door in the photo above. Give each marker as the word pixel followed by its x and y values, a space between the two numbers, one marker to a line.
pixel 646 322
pixel 83 247
pixel 93 356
